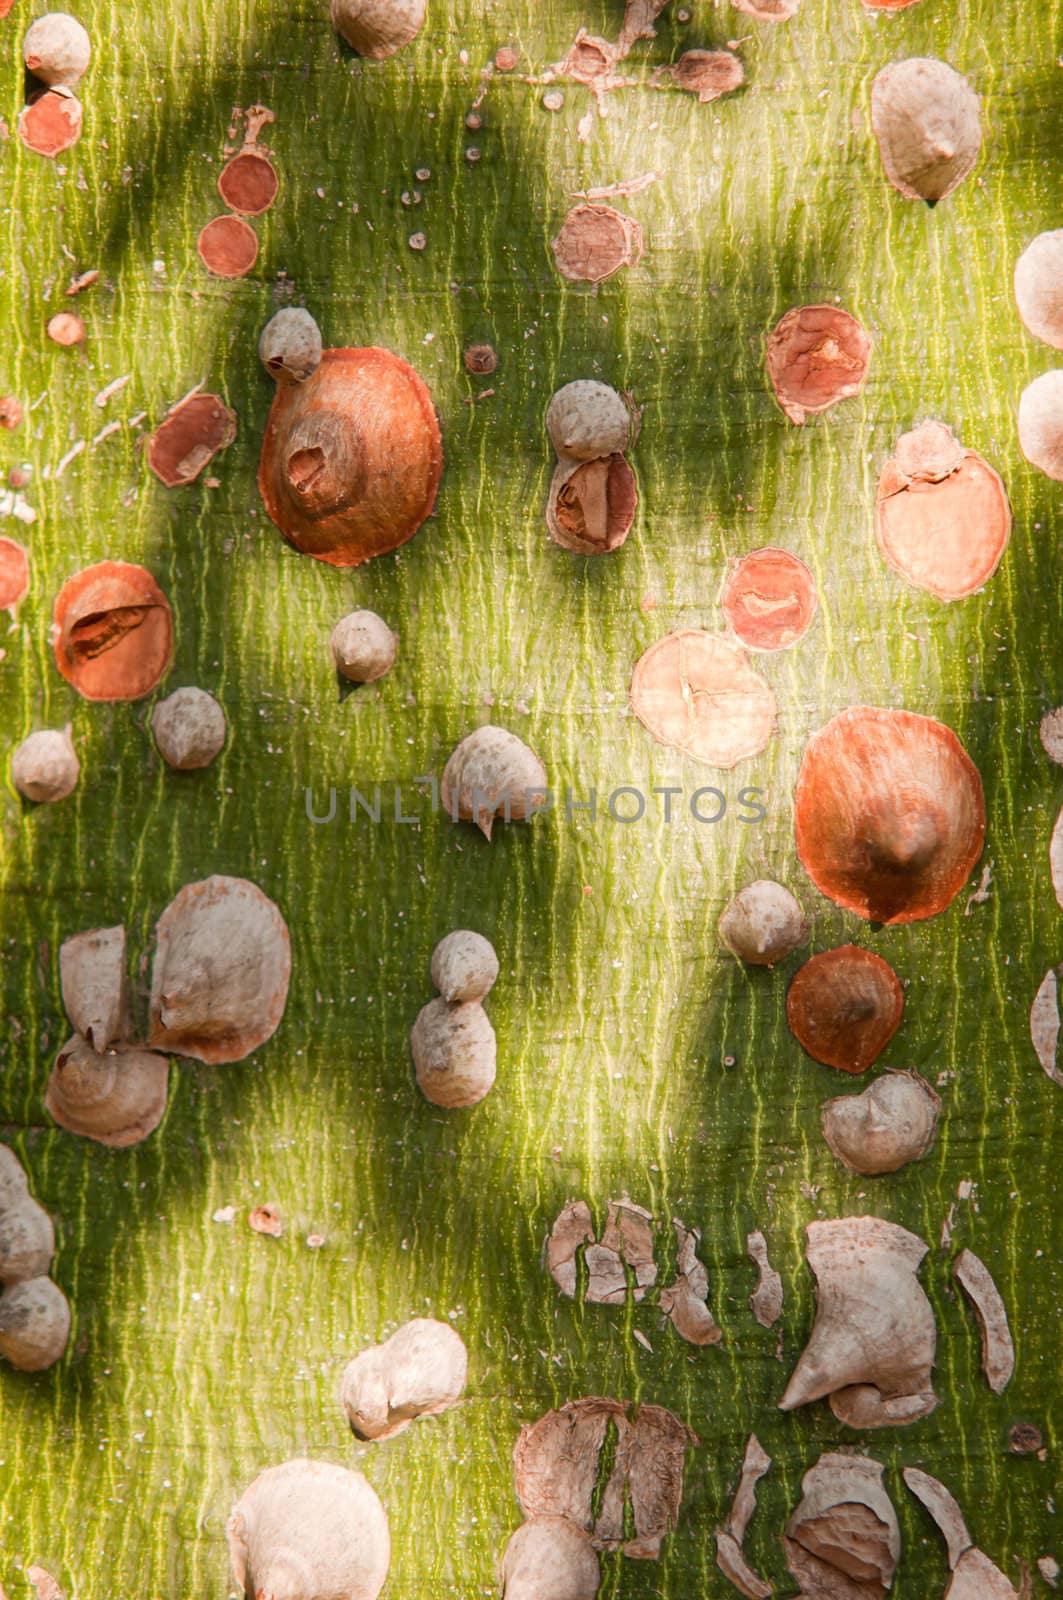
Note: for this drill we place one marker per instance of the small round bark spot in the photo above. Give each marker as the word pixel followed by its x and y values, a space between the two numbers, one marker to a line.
pixel 1041 424
pixel 844 1006
pixel 595 242
pixel 480 359
pixel 51 123
pixel 1039 287
pixel 352 457
pixel 927 120
pixel 769 599
pixel 699 693
pixel 816 356
pixel 889 814
pixel 14 573
pixel 66 329
pixel 506 59
pixel 248 184
pixel 112 632
pixel 942 518
pixel 10 412
pixel 228 247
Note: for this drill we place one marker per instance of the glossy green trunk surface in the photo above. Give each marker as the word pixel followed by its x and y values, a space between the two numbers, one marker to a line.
pixel 634 1055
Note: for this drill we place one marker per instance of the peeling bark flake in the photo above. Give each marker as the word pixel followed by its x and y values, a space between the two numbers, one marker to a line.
pixel 998 1350
pixel 767 1298
pixel 684 1301
pixel 730 1557
pixel 1044 1024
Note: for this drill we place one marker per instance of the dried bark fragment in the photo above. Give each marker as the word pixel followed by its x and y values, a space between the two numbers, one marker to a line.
pixel 549 1558
pixel 706 73
pixel 351 458
pixel 112 632
pixel 974 1577
pixel 591 505
pixel 1044 1024
pixel 556 1459
pixel 464 966
pixel 927 121
pixel 57 49
pixel 418 1372
pixel 454 1053
pixel 769 598
pixel 45 767
pixel 188 437
pixel 14 573
pixel 768 10
pixel 1039 287
pixel 816 356
pixel 363 647
pixel 493 774
pixel 887 5
pixel 92 976
pixel 117 1098
pixel 699 693
pixel 871 1350
pixel 228 247
pixel 629 1229
pixel 51 123
pixel 998 1351
pixel 572 1228
pixel 755 1463
pixel 34 1324
pixel 844 1006
pixel 310 1530
pixel 891 1124
pixel 684 1301
pixel 656 1459
pixel 595 241
pixel 376 29
pixel 557 1467
pixel 767 1298
pixel 222 965
pixel 606 1279
pixel 1041 423
pixel 763 924
pixel 889 814
pixel 730 1557
pixel 189 728
pixel 843 1541
pixel 942 517
pixel 248 183
pixel 639 17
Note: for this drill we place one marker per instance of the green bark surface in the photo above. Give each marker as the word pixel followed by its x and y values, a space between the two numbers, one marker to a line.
pixel 634 1055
